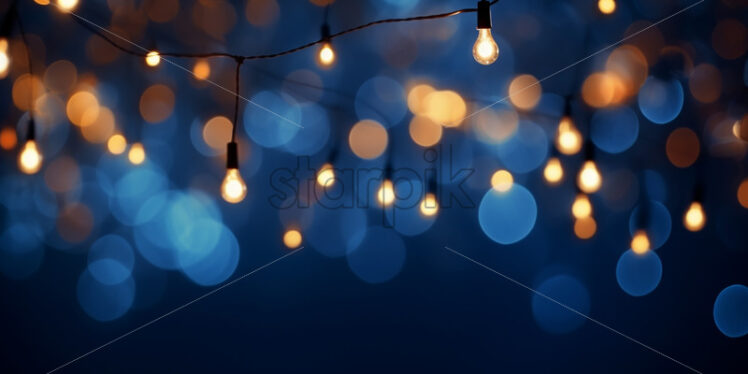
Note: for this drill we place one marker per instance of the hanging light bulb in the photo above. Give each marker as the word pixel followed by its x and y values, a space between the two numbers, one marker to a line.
pixel 30 159
pixel 136 154
pixel 4 58
pixel 502 181
pixel 589 179
pixel 485 50
pixel 386 193
pixel 233 188
pixel 429 205
pixel 694 219
pixel 152 59
pixel 568 137
pixel 606 6
pixel 292 238
pixel 67 5
pixel 640 242
pixel 116 144
pixel 553 171
pixel 326 55
pixel 582 207
pixel 326 175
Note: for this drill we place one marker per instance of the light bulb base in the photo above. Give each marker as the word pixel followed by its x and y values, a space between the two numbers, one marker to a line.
pixel 31 132
pixel 325 31
pixel 484 15
pixel 232 156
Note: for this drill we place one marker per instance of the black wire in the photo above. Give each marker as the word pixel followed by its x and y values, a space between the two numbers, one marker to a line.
pixel 31 70
pixel 239 62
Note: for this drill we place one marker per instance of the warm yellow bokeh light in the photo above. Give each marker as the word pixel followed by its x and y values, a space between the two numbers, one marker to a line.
pixel 640 242
pixel 326 176
pixel 153 58
pixel 525 92
pixel 292 239
pixel 82 108
pixel 694 219
pixel 682 147
pixel 368 139
pixel 446 108
pixel 136 154
pixel 100 128
pixel 553 171
pixel 217 133
pixel 606 6
pixel 585 228
pixel 502 181
pixel 201 70
pixel 67 5
pixel 4 58
pixel 30 158
pixel 743 193
pixel 42 2
pixel 424 131
pixel 589 179
pixel 386 193
pixel 429 205
pixel 582 207
pixel 417 98
pixel 156 103
pixel 116 144
pixel 485 49
pixel 568 137
pixel 8 138
pixel 326 55
pixel 62 174
pixel 233 188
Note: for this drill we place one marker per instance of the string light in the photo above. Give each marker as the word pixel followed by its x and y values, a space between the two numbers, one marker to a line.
pixel 640 242
pixel 136 154
pixel 386 193
pixel 606 6
pixel 326 55
pixel 694 219
pixel 116 144
pixel 502 181
pixel 30 158
pixel 568 137
pixel 292 238
pixel 233 188
pixel 326 176
pixel 4 58
pixel 429 206
pixel 553 171
pixel 67 5
pixel 589 179
pixel 152 59
pixel 582 207
pixel 485 49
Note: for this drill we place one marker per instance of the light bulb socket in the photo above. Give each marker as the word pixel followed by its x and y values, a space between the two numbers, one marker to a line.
pixel 333 156
pixel 589 151
pixel 484 15
pixel 432 185
pixel 698 193
pixel 325 31
pixel 567 106
pixel 232 156
pixel 7 25
pixel 31 131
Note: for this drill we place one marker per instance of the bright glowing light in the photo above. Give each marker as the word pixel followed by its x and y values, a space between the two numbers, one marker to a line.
pixel 640 242
pixel 553 171
pixel 606 6
pixel 582 208
pixel 326 176
pixel 30 159
pixel 485 50
pixel 694 219
pixel 585 228
pixel 201 70
pixel 429 205
pixel 152 58
pixel 326 55
pixel 292 239
pixel 67 5
pixel 502 181
pixel 116 144
pixel 233 188
pixel 589 180
pixel 4 58
pixel 386 193
pixel 136 154
pixel 568 138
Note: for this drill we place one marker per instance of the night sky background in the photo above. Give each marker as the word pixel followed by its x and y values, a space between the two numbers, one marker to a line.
pixel 94 246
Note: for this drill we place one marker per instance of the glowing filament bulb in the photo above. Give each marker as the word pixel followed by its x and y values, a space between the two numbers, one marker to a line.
pixel 67 5
pixel 292 239
pixel 485 49
pixel 568 138
pixel 429 205
pixel 152 58
pixel 553 171
pixel 589 179
pixel 136 154
pixel 606 6
pixel 694 219
pixel 4 58
pixel 116 144
pixel 502 181
pixel 30 159
pixel 640 242
pixel 326 176
pixel 386 193
pixel 326 55
pixel 233 188
pixel 582 208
